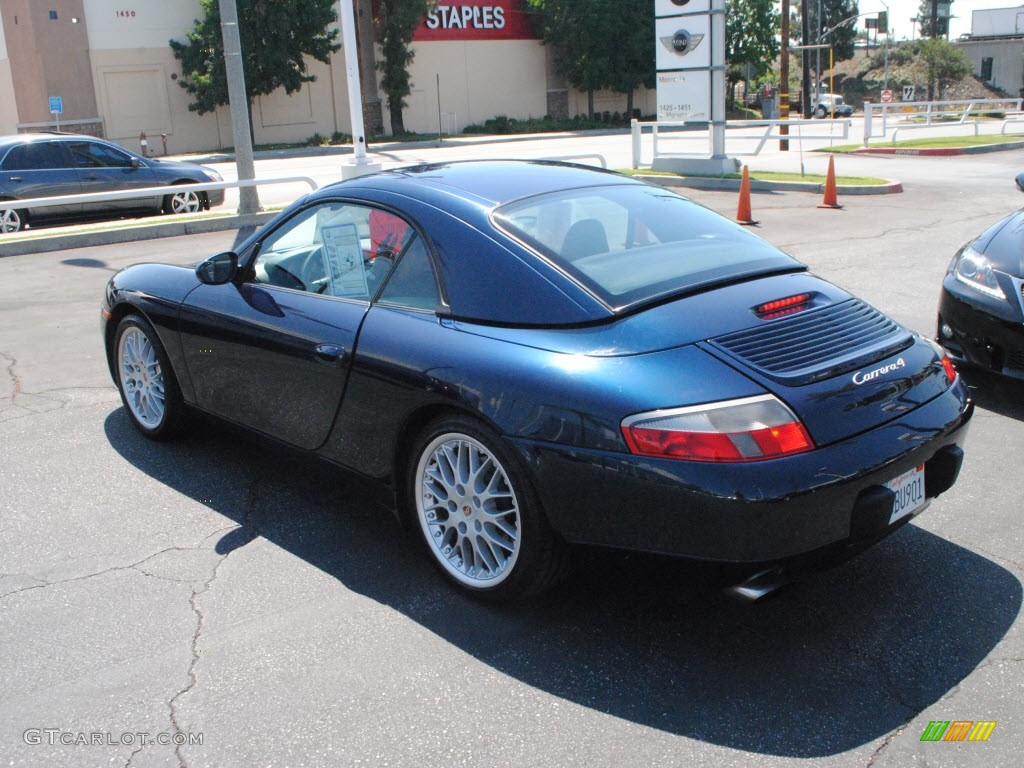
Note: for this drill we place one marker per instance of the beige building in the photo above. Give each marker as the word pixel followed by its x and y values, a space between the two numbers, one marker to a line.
pixel 110 64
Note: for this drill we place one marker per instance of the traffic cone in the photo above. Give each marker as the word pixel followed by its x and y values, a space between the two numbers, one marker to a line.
pixel 743 209
pixel 830 186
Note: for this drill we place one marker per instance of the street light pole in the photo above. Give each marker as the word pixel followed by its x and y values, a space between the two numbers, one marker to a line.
pixel 238 103
pixel 784 77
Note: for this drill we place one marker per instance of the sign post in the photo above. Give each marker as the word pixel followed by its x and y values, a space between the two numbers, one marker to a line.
pixel 56 108
pixel 690 60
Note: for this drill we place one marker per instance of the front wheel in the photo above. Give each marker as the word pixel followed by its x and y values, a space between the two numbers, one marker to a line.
pixel 145 380
pixel 11 220
pixel 478 515
pixel 820 112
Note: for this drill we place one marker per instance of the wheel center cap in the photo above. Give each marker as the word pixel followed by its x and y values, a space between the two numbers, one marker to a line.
pixel 467 510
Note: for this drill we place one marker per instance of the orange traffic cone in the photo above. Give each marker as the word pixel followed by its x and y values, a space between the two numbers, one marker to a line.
pixel 743 210
pixel 830 186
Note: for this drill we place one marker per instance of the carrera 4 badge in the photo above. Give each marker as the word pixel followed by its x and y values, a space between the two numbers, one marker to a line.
pixel 863 377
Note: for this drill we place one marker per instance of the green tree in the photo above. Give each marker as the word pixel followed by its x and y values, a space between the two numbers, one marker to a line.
pixel 751 40
pixel 946 64
pixel 397 22
pixel 277 37
pixel 600 44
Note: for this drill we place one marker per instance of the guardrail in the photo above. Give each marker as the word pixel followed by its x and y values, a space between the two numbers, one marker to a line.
pixel 762 137
pixel 933 113
pixel 130 194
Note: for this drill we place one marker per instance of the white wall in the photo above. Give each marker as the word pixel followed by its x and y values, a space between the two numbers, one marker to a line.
pixel 112 27
pixel 8 109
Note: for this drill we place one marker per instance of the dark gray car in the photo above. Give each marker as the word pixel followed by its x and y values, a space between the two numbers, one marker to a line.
pixel 53 164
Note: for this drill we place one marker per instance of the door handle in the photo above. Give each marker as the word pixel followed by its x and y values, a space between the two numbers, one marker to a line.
pixel 16 178
pixel 332 354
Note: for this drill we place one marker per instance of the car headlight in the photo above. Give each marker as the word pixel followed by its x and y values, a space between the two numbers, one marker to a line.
pixel 973 269
pixel 214 176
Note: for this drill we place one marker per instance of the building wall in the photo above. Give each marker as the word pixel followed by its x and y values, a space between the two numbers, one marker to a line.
pixel 478 79
pixel 1007 61
pixel 8 107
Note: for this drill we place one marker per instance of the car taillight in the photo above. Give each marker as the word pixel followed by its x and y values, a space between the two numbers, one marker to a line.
pixel 781 307
pixel 751 429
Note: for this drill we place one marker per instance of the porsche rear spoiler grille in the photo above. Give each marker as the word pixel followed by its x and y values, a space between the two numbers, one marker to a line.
pixel 816 344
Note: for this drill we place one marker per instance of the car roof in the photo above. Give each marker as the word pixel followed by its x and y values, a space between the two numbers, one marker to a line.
pixel 489 182
pixel 25 138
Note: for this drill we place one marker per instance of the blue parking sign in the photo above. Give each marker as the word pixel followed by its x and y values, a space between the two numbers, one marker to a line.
pixel 56 105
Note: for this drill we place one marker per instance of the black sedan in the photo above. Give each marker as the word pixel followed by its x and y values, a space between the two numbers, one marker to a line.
pixel 54 165
pixel 981 308
pixel 532 355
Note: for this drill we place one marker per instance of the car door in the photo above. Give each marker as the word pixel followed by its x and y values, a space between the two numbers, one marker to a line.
pixel 103 168
pixel 40 169
pixel 272 351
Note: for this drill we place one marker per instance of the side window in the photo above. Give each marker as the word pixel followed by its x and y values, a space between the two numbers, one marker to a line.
pixel 329 249
pixel 35 156
pixel 89 154
pixel 412 282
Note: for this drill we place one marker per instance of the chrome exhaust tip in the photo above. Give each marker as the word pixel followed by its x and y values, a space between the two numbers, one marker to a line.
pixel 758 586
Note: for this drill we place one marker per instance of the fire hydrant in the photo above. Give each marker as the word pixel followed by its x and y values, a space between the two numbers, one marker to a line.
pixel 144 143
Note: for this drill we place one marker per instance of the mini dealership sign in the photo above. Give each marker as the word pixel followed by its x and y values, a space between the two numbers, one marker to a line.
pixel 682 31
pixel 477 20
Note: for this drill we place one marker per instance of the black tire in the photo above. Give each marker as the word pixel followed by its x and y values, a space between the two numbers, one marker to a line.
pixel 190 202
pixel 12 219
pixel 496 525
pixel 820 112
pixel 143 373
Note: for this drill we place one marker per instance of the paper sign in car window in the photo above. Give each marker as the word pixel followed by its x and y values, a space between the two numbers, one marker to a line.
pixel 345 255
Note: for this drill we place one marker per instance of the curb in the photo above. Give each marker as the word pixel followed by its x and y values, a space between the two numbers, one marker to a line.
pixel 981 149
pixel 45 244
pixel 733 185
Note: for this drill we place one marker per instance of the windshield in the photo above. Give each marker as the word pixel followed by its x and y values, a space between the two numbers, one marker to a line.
pixel 630 244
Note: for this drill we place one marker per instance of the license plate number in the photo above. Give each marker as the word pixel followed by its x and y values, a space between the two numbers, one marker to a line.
pixel 909 490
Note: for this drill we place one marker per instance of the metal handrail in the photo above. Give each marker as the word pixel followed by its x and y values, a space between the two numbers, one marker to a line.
pixel 130 194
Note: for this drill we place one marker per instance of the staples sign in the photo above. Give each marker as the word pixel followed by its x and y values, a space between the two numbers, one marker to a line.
pixel 477 20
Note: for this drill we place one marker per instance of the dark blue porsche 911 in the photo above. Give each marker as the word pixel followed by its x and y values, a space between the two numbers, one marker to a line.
pixel 535 354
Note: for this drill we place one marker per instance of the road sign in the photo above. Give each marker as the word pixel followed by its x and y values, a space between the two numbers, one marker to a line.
pixel 886 96
pixel 56 105
pixel 908 93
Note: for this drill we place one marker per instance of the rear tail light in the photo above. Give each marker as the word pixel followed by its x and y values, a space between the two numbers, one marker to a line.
pixel 751 429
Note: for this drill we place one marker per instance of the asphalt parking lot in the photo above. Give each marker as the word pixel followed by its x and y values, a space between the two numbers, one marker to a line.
pixel 218 592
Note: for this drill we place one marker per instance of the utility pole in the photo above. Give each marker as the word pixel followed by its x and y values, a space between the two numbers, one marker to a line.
pixel 784 77
pixel 238 101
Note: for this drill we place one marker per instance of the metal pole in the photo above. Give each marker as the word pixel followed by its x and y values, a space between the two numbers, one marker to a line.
pixel 360 165
pixel 784 77
pixel 718 79
pixel 238 101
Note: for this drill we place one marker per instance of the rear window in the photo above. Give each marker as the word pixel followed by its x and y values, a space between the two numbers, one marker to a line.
pixel 630 244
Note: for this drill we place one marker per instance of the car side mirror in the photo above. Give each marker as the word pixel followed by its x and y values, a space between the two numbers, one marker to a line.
pixel 136 163
pixel 1020 181
pixel 218 269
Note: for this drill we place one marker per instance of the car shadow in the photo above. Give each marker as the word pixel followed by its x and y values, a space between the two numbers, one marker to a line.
pixel 832 663
pixel 995 393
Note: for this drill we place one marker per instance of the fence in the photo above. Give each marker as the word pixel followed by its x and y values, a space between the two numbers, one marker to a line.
pixel 879 119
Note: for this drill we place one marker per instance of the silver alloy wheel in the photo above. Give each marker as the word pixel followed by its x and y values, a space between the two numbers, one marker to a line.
pixel 10 220
pixel 142 378
pixel 185 202
pixel 468 510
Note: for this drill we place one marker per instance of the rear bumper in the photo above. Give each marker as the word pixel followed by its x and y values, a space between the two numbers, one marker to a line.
pixel 829 499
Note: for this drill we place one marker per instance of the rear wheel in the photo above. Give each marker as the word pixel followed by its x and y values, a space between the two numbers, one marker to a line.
pixel 11 220
pixel 478 516
pixel 145 380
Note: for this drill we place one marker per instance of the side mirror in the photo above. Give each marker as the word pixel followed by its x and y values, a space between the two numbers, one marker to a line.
pixel 1020 181
pixel 136 163
pixel 218 269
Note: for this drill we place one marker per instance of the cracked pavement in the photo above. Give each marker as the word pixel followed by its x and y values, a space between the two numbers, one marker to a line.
pixel 222 588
